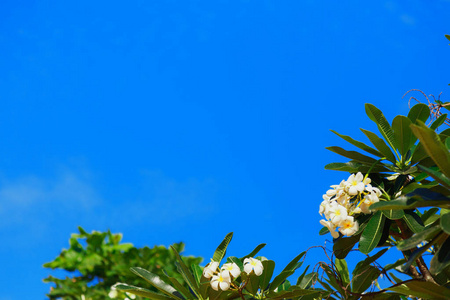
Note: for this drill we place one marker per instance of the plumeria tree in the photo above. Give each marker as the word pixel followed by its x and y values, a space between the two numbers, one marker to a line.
pixel 396 196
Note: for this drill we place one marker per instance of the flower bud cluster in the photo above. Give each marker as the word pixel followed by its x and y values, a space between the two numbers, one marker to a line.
pixel 342 202
pixel 222 278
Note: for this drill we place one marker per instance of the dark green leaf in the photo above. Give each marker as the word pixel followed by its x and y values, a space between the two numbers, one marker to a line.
pixel 383 126
pixel 254 252
pixel 420 112
pixel 380 145
pixel 393 214
pixel 359 144
pixel 365 263
pixel 404 202
pixel 364 280
pixel 184 270
pixel 222 249
pixel 418 238
pixel 441 259
pixel 433 146
pixel 422 289
pixel 413 221
pixel 269 266
pixel 445 222
pixel 372 233
pixel 343 246
pixel 356 156
pixel 308 280
pixel 438 122
pixel 436 175
pixel 403 134
pixel 179 287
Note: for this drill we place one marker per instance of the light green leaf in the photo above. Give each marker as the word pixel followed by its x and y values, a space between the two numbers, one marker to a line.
pixel 188 277
pixel 140 291
pixel 157 282
pixel 372 233
pixel 179 287
pixel 403 134
pixel 383 126
pixel 342 269
pixel 366 262
pixel 380 145
pixel 222 249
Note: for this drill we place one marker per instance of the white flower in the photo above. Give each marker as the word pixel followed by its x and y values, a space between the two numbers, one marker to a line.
pixel 233 269
pixel 324 207
pixel 113 294
pixel 331 227
pixel 251 264
pixel 337 213
pixel 349 226
pixel 354 184
pixel 221 281
pixel 210 269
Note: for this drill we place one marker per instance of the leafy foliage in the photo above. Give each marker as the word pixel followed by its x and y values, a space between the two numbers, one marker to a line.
pixel 97 260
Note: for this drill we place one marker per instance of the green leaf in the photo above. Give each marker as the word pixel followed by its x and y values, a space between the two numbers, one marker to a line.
pixel 254 252
pixel 356 156
pixel 422 289
pixel 343 246
pixel 222 249
pixel 372 233
pixel 383 126
pixel 197 272
pixel 418 238
pixel 359 144
pixel 188 277
pixel 287 271
pixel 363 280
pixel 405 202
pixel 237 261
pixel 413 221
pixel 433 146
pixel 403 134
pixel 354 167
pixel 393 214
pixel 441 260
pixel 342 269
pixel 253 282
pixel 414 185
pixel 269 266
pixel 447 36
pixel 447 143
pixel 436 175
pixel 445 223
pixel 307 280
pixel 380 145
pixel 157 282
pixel 179 287
pixel 438 122
pixel 420 112
pixel 140 291
pixel 362 265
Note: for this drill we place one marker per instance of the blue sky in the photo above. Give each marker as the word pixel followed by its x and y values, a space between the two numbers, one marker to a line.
pixel 178 121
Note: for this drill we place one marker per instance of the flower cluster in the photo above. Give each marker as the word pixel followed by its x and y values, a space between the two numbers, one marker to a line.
pixel 222 278
pixel 341 203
